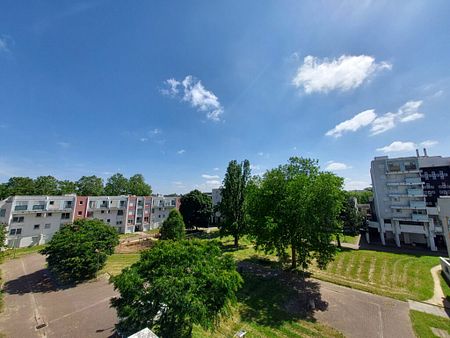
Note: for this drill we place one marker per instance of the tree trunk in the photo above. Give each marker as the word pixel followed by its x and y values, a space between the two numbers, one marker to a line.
pixel 236 241
pixel 338 238
pixel 294 257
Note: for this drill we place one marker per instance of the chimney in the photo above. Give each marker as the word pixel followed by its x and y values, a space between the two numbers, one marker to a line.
pixel 425 152
pixel 417 152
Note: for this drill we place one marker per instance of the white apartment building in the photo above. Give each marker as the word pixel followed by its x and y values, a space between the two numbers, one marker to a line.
pixel 32 220
pixel 406 190
pixel 216 196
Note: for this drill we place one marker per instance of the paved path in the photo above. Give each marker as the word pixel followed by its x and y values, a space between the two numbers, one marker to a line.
pixel 438 296
pixel 31 299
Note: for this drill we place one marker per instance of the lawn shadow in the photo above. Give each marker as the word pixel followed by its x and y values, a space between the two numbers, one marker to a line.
pixel 201 234
pixel 272 297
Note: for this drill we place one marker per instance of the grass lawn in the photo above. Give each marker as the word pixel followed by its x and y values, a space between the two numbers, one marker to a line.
pixel 261 311
pixel 423 322
pixel 396 275
pixel 350 239
pixel 15 253
pixel 117 262
pixel 444 285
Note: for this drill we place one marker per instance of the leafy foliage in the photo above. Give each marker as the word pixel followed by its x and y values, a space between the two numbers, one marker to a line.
pixel 90 186
pixel 296 206
pixel 174 286
pixel 196 208
pixel 77 251
pixel 66 187
pixel 173 227
pixel 352 220
pixel 46 185
pixel 117 185
pixel 362 196
pixel 20 186
pixel 232 206
pixel 138 187
pixel 2 237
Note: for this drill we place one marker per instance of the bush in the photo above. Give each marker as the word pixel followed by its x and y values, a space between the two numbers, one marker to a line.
pixel 173 227
pixel 77 251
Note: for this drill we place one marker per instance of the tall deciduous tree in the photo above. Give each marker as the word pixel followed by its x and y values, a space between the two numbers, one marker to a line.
pixel 174 286
pixel 3 191
pixel 90 186
pixel 138 187
pixel 196 208
pixel 20 186
pixel 77 251
pixel 232 206
pixel 296 207
pixel 352 220
pixel 117 185
pixel 173 227
pixel 66 187
pixel 46 185
pixel 2 238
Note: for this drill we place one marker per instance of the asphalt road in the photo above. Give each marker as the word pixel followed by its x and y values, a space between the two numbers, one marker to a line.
pixel 31 299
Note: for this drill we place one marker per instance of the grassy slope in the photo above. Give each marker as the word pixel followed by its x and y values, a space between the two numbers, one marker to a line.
pixel 15 253
pixel 423 322
pixel 116 262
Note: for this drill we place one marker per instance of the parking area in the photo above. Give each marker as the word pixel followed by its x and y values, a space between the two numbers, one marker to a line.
pixel 36 307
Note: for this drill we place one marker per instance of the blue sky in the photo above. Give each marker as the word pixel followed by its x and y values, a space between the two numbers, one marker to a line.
pixel 175 90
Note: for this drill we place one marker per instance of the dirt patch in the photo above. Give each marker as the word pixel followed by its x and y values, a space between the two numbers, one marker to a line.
pixel 135 245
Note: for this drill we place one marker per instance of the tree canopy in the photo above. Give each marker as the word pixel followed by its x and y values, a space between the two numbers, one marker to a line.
pixel 77 251
pixel 46 185
pixel 296 206
pixel 196 208
pixel 362 196
pixel 175 285
pixel 138 187
pixel 232 206
pixel 90 186
pixel 117 185
pixel 173 227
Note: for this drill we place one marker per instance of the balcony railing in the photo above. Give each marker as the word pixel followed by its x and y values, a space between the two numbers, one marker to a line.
pixel 21 207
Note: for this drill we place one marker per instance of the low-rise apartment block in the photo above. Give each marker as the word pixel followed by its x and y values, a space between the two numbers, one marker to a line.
pixel 32 220
pixel 406 191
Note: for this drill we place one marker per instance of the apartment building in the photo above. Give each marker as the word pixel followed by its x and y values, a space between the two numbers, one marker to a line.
pixel 32 220
pixel 406 191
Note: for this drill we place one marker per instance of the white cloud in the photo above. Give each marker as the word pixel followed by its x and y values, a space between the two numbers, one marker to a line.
pixel 345 73
pixel 197 95
pixel 410 111
pixel 398 146
pixel 154 132
pixel 216 169
pixel 5 42
pixel 336 166
pixel 358 121
pixel 350 184
pixel 383 123
pixel 428 143
pixel 181 151
pixel 210 177
pixel 143 139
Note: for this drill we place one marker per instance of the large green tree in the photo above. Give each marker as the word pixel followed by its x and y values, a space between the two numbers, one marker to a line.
pixel 90 186
pixel 175 285
pixel 362 196
pixel 232 206
pixel 138 187
pixel 352 220
pixel 173 227
pixel 117 185
pixel 66 187
pixel 296 207
pixel 3 234
pixel 3 191
pixel 46 185
pixel 77 251
pixel 196 208
pixel 20 186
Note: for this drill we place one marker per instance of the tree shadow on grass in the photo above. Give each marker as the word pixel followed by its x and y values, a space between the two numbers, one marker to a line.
pixel 272 297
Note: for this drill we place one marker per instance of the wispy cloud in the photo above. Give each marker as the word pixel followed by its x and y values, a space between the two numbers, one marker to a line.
pixel 196 94
pixel 336 166
pixel 356 122
pixel 216 169
pixel 210 177
pixel 401 147
pixel 345 73
pixel 350 184
pixel 154 132
pixel 181 151
pixel 5 43
pixel 143 139
pixel 379 124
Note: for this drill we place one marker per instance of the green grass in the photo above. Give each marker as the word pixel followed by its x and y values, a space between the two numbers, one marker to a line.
pixel 400 276
pixel 117 262
pixel 261 311
pixel 444 285
pixel 423 322
pixel 350 239
pixel 16 253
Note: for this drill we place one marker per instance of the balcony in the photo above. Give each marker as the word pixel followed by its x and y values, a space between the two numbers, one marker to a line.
pixel 418 204
pixel 419 218
pixel 415 192
pixel 39 207
pixel 21 207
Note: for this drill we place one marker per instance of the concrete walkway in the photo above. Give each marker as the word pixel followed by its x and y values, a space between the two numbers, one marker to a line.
pixel 438 296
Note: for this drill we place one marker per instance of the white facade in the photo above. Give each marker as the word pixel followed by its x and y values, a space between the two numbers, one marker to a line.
pixel 161 207
pixel 401 208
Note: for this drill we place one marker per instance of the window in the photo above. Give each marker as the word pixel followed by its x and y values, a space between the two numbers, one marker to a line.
pixel 52 202
pixel 18 219
pixel 2 212
pixel 18 231
pixel 38 214
pixel 81 202
pixel 39 206
pixel 109 211
pixel 15 231
pixel 67 204
pixel 90 214
pixel 80 213
pixel 108 220
pixel 118 222
pixel 119 212
pixel 146 219
pixel 21 206
pixel 159 216
pixel 103 211
pixel 49 214
pixel 47 226
pixel 122 204
pixel 130 221
pixel 36 226
pixel 65 215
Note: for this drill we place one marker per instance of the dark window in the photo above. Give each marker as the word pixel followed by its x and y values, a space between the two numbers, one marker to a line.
pixel 52 202
pixel 38 214
pixel 36 226
pixel 65 215
pixel 80 213
pixel 119 212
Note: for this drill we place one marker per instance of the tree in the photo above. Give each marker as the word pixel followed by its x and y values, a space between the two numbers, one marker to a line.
pixel 46 185
pixel 138 187
pixel 2 238
pixel 20 186
pixel 362 196
pixel 173 227
pixel 3 191
pixel 175 285
pixel 90 186
pixel 232 206
pixel 117 185
pixel 196 208
pixel 77 251
pixel 296 206
pixel 352 220
pixel 66 187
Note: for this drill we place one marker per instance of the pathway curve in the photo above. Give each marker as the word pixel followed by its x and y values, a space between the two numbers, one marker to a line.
pixel 438 296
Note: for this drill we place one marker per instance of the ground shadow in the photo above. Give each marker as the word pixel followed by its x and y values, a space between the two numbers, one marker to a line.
pixel 40 281
pixel 272 297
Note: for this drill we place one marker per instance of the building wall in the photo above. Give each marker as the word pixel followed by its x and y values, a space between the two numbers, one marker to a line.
pixel 161 207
